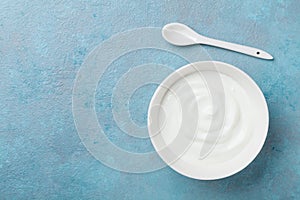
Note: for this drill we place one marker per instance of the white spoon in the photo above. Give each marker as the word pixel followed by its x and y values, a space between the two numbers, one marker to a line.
pixel 182 35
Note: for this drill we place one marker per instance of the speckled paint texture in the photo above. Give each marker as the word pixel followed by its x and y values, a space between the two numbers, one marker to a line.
pixel 42 46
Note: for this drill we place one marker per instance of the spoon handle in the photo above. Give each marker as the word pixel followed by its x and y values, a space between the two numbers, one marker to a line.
pixel 251 51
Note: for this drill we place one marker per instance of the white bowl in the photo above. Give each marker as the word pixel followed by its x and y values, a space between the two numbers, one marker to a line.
pixel 212 147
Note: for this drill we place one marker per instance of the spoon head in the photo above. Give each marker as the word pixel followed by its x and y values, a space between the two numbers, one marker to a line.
pixel 180 34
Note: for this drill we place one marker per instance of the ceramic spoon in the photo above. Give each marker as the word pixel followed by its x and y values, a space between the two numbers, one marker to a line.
pixel 182 35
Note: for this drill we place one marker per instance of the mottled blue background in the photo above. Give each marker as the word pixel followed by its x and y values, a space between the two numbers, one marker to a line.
pixel 42 45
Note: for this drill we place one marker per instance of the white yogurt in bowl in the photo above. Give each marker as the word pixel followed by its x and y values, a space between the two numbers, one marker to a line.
pixel 208 120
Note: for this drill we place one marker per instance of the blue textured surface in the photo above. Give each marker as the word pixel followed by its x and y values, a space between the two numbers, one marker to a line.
pixel 42 45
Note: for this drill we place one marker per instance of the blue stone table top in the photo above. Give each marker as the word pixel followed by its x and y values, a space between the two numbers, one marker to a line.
pixel 42 47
